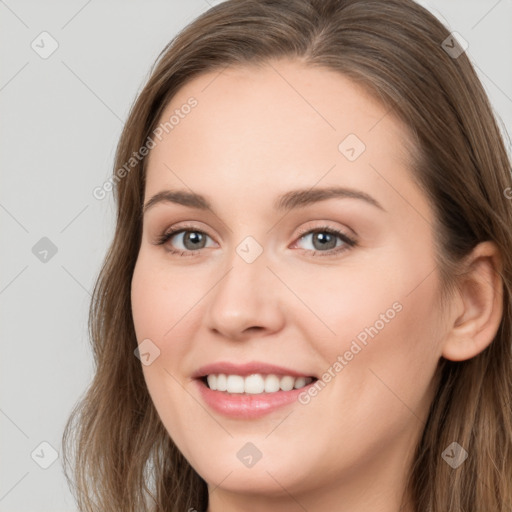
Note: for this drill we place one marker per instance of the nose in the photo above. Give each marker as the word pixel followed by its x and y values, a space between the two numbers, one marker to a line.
pixel 246 301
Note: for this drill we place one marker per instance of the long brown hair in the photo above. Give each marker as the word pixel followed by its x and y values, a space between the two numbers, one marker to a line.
pixel 123 458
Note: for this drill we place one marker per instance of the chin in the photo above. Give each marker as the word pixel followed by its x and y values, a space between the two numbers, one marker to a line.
pixel 258 467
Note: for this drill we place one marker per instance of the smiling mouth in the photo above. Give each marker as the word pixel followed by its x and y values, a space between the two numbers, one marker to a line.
pixel 255 384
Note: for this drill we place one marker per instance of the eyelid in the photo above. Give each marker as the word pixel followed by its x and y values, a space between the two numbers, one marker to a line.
pixel 175 230
pixel 308 229
pixel 349 240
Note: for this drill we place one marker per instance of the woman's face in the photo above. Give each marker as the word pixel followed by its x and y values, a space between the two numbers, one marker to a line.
pixel 281 280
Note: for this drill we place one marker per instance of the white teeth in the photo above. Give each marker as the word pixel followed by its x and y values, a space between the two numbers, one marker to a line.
pixel 299 383
pixel 286 383
pixel 222 383
pixel 256 383
pixel 212 381
pixel 271 383
pixel 235 384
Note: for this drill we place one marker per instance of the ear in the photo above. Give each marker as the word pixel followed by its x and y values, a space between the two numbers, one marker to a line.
pixel 479 305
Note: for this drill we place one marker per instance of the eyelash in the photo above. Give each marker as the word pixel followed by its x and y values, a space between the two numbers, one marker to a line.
pixel 349 241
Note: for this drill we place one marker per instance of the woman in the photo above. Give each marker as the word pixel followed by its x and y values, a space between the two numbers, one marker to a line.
pixel 306 304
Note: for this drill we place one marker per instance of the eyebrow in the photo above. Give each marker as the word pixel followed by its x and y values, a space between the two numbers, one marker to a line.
pixel 290 200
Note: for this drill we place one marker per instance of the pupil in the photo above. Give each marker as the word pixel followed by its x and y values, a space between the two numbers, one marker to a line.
pixel 324 238
pixel 191 236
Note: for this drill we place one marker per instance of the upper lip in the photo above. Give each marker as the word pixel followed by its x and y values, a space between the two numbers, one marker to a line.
pixel 244 369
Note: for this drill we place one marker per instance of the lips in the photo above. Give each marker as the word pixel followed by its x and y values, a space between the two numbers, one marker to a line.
pixel 245 369
pixel 250 390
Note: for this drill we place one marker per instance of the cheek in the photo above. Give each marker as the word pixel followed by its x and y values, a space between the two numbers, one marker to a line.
pixel 379 371
pixel 160 315
pixel 384 346
pixel 393 370
pixel 160 298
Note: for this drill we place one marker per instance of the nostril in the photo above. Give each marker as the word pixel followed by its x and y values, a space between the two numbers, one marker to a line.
pixel 254 328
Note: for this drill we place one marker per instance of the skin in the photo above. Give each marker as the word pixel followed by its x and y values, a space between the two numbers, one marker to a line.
pixel 254 136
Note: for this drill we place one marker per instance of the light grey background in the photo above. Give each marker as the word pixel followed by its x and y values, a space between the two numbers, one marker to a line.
pixel 61 118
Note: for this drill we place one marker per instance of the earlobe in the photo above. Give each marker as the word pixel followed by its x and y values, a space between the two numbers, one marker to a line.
pixel 476 323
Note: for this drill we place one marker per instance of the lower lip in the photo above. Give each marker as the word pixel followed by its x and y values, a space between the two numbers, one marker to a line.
pixel 247 406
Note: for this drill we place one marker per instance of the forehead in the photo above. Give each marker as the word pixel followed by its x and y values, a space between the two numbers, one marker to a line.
pixel 277 126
